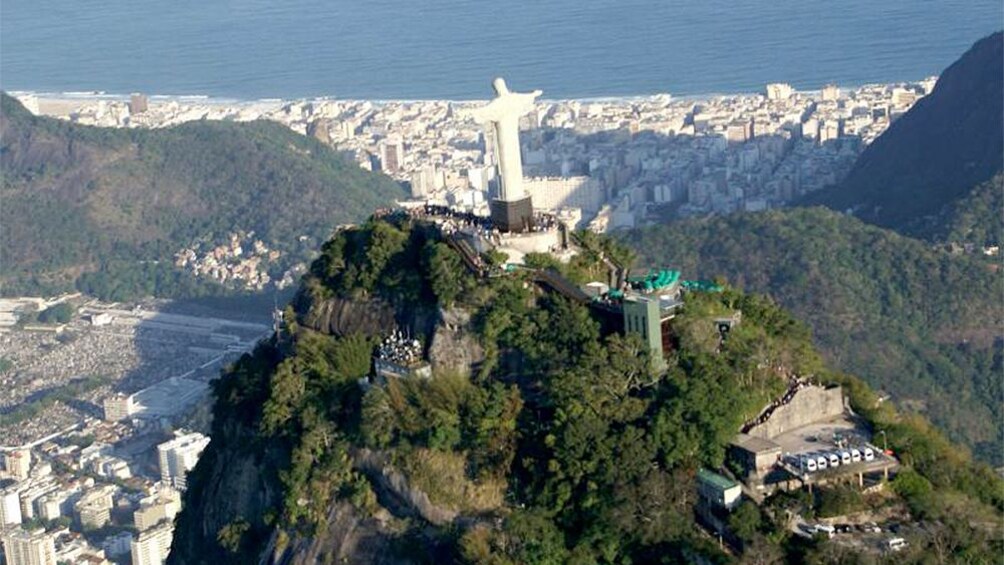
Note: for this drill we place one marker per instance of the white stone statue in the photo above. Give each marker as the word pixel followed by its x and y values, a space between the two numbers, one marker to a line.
pixel 504 113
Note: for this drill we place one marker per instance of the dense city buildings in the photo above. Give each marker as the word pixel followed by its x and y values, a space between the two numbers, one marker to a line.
pixel 84 461
pixel 620 162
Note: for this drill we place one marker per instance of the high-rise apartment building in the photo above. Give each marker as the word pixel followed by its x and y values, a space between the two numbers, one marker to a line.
pixel 10 509
pixel 29 548
pixel 17 464
pixel 391 155
pixel 152 546
pixel 178 457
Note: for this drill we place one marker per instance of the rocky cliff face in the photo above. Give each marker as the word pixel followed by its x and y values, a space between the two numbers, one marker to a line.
pixel 236 486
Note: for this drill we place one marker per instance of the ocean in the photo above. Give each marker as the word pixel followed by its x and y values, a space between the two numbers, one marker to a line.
pixel 450 49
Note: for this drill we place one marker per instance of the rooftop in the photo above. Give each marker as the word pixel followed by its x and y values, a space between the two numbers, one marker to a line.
pixel 754 444
pixel 715 480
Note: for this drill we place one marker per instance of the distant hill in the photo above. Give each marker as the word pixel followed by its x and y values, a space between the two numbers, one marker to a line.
pixel 931 157
pixel 916 322
pixel 79 199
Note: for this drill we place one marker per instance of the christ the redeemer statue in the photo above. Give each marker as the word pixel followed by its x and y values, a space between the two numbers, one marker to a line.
pixel 504 112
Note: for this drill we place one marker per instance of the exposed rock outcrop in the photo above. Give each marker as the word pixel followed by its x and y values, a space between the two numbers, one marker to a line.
pixel 454 346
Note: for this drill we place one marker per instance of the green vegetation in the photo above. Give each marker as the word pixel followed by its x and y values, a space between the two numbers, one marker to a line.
pixel 978 219
pixel 231 536
pixel 913 321
pixel 562 447
pixel 60 313
pixel 5 365
pixel 116 204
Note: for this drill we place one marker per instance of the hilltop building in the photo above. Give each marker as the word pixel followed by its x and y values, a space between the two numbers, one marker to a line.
pixel 718 491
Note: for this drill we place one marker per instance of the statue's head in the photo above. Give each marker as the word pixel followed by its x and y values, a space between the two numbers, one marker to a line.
pixel 499 85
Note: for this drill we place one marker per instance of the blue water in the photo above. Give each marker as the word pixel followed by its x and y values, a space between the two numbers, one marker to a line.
pixel 452 48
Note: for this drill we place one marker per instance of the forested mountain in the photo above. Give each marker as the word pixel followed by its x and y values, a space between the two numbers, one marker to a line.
pixel 977 219
pixel 80 199
pixel 916 322
pixel 933 156
pixel 537 439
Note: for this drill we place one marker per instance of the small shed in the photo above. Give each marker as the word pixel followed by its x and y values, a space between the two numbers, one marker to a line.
pixel 718 490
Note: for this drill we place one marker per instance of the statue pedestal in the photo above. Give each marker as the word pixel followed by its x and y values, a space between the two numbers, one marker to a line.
pixel 512 215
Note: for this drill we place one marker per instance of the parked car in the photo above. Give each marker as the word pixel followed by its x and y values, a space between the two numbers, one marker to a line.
pixel 833 459
pixel 845 457
pixel 826 530
pixel 855 455
pixel 896 544
pixel 869 454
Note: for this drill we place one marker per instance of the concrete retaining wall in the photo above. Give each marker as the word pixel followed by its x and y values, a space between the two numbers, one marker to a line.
pixel 809 405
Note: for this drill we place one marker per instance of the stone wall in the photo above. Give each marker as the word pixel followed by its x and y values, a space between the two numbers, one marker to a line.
pixel 809 405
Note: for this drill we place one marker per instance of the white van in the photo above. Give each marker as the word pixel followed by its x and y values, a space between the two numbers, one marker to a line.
pixel 855 455
pixel 845 458
pixel 869 454
pixel 834 459
pixel 895 544
pixel 821 463
pixel 809 464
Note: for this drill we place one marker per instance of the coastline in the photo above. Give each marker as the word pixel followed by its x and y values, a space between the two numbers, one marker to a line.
pixel 96 96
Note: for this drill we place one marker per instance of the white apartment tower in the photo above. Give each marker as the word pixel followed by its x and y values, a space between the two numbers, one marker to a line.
pixel 153 545
pixel 10 509
pixel 29 548
pixel 392 155
pixel 17 464
pixel 178 457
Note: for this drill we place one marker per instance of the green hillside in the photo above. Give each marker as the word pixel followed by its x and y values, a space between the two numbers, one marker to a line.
pixel 977 219
pixel 559 445
pixel 81 199
pixel 915 322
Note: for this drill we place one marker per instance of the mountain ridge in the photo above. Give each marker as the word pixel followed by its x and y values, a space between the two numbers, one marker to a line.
pixel 950 141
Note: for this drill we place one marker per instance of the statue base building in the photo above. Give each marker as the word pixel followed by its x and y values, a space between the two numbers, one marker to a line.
pixel 512 215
